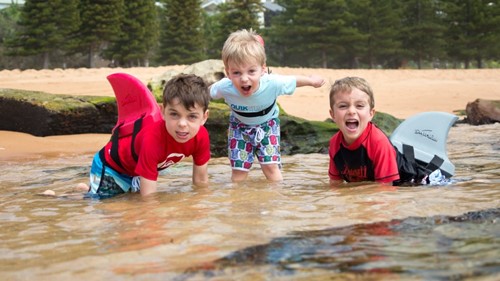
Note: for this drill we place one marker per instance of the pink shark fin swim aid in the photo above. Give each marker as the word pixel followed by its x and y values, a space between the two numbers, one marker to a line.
pixel 134 101
pixel 137 108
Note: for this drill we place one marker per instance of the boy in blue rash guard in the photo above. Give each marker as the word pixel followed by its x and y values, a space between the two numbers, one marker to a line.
pixel 251 93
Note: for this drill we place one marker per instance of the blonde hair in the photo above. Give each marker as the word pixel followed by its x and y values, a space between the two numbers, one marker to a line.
pixel 347 84
pixel 242 47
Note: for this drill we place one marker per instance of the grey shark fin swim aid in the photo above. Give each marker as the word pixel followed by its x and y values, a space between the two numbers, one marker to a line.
pixel 422 139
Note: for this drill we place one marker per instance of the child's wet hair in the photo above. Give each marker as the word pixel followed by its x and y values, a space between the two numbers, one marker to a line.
pixel 190 89
pixel 347 84
pixel 242 47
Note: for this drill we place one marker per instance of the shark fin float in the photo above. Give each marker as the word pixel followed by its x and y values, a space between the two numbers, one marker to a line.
pixel 426 133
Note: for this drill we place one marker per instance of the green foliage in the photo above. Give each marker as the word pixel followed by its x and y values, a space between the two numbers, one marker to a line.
pixel 230 17
pixel 8 18
pixel 100 25
pixel 239 14
pixel 181 37
pixel 423 28
pixel 8 23
pixel 307 33
pixel 45 28
pixel 474 30
pixel 314 33
pixel 378 23
pixel 138 34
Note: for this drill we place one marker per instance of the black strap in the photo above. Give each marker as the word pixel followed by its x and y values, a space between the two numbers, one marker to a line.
pixel 137 128
pixel 114 146
pixel 257 113
pixel 103 160
pixel 114 142
pixel 435 163
pixel 409 153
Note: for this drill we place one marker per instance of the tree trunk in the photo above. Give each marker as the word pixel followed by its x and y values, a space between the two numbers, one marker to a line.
pixel 91 57
pixel 324 58
pixel 46 60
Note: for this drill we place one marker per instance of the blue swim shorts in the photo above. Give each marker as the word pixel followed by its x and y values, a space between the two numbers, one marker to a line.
pixel 106 182
pixel 245 141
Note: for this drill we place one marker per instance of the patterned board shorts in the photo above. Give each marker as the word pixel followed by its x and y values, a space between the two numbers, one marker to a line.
pixel 245 141
pixel 106 182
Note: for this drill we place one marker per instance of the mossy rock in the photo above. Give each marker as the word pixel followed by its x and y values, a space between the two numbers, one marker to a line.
pixel 43 114
pixel 298 135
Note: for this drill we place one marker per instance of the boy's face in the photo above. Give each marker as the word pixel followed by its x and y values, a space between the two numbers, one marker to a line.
pixel 352 113
pixel 246 77
pixel 181 123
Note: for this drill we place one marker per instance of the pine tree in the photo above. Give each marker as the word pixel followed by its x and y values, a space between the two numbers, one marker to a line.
pixel 138 35
pixel 181 36
pixel 231 16
pixel 239 14
pixel 423 29
pixel 101 21
pixel 378 23
pixel 474 30
pixel 308 32
pixel 46 27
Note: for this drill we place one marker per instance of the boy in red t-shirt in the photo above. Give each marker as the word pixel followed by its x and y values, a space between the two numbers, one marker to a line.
pixel 158 145
pixel 360 151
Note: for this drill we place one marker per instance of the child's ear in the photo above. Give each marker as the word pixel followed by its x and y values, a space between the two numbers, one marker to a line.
pixel 205 117
pixel 372 113
pixel 332 115
pixel 163 108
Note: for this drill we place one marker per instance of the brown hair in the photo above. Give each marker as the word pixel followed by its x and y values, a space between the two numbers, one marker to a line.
pixel 347 84
pixel 190 89
pixel 241 47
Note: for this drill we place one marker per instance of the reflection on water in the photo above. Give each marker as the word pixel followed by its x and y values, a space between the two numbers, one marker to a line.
pixel 182 228
pixel 437 247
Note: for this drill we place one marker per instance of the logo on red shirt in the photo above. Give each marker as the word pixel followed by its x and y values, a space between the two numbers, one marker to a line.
pixel 171 160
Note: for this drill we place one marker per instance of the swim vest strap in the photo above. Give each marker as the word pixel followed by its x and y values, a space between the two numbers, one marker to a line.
pixel 435 163
pixel 114 142
pixel 411 170
pixel 137 128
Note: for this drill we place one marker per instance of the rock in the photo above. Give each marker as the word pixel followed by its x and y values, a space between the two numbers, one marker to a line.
pixel 210 70
pixel 482 111
pixel 43 114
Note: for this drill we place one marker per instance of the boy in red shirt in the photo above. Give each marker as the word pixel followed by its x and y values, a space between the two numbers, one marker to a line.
pixel 360 151
pixel 158 145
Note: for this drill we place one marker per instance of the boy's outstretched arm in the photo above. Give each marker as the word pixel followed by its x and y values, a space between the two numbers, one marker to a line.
pixel 147 186
pixel 200 175
pixel 313 80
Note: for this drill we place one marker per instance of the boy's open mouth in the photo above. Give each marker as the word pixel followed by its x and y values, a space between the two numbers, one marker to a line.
pixel 352 124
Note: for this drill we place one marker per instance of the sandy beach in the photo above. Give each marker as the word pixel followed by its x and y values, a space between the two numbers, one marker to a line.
pixel 400 93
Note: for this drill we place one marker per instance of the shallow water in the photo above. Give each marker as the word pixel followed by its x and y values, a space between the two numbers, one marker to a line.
pixel 298 229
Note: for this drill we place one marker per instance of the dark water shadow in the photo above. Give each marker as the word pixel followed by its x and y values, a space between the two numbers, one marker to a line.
pixel 429 248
